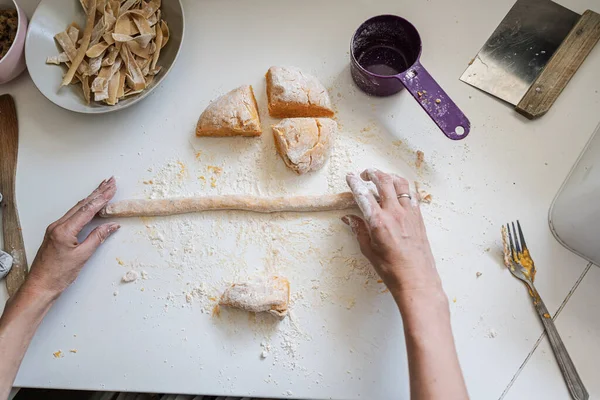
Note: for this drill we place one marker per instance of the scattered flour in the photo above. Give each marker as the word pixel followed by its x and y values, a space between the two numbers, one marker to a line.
pixel 491 333
pixel 199 255
pixel 266 349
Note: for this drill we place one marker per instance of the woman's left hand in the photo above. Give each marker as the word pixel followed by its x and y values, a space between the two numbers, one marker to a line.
pixel 61 257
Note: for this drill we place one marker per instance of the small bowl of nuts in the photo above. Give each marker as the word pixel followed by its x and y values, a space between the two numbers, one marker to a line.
pixel 13 29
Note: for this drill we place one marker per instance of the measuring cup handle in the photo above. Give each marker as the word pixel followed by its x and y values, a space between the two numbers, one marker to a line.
pixel 435 102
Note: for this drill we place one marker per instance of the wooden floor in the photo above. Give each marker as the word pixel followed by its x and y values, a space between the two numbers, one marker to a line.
pixel 45 394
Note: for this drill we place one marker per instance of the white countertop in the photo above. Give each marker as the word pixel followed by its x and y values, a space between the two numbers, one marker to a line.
pixel 345 338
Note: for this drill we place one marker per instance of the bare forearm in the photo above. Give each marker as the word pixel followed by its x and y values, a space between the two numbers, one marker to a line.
pixel 433 364
pixel 22 315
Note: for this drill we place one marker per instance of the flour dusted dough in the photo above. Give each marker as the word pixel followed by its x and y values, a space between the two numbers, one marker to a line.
pixel 184 205
pixel 270 294
pixel 304 143
pixel 292 93
pixel 233 114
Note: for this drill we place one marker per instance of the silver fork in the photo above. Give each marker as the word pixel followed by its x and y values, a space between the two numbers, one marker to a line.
pixel 522 267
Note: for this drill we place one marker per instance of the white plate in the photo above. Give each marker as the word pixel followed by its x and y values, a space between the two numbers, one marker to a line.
pixel 54 16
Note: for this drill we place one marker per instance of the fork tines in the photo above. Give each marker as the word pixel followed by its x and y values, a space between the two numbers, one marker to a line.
pixel 518 245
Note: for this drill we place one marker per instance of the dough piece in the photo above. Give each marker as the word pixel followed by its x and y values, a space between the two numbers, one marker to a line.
pixel 259 295
pixel 233 114
pixel 292 93
pixel 304 143
pixel 185 205
pixel 130 276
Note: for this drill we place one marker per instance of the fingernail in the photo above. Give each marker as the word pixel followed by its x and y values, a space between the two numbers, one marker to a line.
pixel 102 183
pixel 346 220
pixel 111 179
pixel 113 228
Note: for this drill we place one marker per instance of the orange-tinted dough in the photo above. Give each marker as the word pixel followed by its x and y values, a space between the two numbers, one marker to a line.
pixel 293 93
pixel 233 114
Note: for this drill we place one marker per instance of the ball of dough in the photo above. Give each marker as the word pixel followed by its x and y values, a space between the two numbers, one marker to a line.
pixel 304 143
pixel 293 93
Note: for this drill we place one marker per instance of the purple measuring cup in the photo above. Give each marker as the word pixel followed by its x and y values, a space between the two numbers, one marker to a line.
pixel 384 53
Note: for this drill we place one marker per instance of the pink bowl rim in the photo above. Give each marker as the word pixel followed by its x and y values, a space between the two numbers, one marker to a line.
pixel 20 16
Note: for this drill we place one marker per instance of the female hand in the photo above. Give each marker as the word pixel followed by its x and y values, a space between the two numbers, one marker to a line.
pixel 392 234
pixel 61 256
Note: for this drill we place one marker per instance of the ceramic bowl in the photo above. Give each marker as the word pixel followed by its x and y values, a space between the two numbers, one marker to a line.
pixel 13 62
pixel 54 16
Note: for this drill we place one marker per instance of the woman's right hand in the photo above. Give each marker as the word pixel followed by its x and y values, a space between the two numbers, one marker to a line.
pixel 392 234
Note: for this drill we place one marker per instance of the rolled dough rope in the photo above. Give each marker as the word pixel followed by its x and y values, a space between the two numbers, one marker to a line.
pixel 184 205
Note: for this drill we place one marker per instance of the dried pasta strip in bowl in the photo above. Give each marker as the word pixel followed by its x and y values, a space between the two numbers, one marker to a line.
pixel 154 18
pixel 73 33
pixel 69 48
pixel 109 21
pixel 95 65
pixel 109 60
pixel 59 59
pixel 151 7
pixel 100 5
pixel 87 34
pixel 135 79
pixel 155 71
pixel 85 85
pixel 121 38
pixel 97 32
pixel 132 92
pixel 149 79
pixel 165 32
pixel 114 6
pixel 96 50
pixel 108 38
pixel 141 23
pixel 144 40
pixel 145 67
pixel 159 40
pixel 113 89
pixel 127 5
pixel 122 76
pixel 125 25
pixel 84 5
pixel 139 50
pixel 76 77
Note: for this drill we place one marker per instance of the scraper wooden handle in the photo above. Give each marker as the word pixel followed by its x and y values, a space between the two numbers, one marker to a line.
pixel 562 66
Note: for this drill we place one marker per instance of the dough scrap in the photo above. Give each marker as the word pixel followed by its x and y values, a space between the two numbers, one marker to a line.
pixel 304 144
pixel 422 195
pixel 292 93
pixel 130 276
pixel 233 114
pixel 270 295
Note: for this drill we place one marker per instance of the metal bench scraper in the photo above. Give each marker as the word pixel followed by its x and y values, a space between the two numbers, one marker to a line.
pixel 532 55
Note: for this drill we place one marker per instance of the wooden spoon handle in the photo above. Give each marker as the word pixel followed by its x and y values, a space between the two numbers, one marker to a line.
pixel 13 237
pixel 13 244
